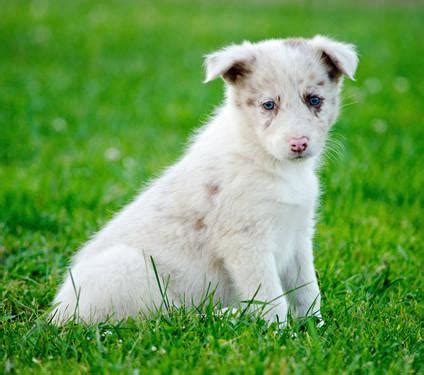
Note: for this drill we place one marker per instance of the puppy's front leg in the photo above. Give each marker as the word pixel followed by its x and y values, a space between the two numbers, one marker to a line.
pixel 301 283
pixel 254 271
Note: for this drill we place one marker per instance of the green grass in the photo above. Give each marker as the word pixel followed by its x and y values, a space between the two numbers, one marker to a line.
pixel 83 80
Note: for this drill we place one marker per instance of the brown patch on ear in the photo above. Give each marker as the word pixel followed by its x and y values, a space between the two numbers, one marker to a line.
pixel 333 67
pixel 238 70
pixel 199 224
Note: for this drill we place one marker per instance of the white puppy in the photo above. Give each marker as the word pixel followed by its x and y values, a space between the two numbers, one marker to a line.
pixel 236 213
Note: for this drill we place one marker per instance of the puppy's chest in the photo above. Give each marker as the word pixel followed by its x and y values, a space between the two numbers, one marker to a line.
pixel 274 205
pixel 285 200
pixel 293 222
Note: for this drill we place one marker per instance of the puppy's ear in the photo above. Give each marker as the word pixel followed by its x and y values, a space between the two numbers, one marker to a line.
pixel 341 58
pixel 232 63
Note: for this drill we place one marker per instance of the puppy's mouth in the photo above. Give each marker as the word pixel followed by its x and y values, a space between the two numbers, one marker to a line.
pixel 299 156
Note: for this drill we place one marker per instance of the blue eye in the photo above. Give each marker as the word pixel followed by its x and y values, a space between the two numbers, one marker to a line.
pixel 314 101
pixel 269 105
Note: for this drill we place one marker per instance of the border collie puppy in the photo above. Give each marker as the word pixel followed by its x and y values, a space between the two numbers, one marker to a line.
pixel 236 213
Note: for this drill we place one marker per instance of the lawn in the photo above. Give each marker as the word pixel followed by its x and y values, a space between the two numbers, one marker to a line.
pixel 98 97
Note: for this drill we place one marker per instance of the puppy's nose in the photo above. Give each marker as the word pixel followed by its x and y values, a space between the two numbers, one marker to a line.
pixel 298 144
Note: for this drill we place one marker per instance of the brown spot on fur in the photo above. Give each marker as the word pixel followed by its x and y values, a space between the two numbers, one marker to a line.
pixel 312 77
pixel 268 123
pixel 320 83
pixel 212 189
pixel 237 71
pixel 317 110
pixel 267 82
pixel 251 102
pixel 199 224
pixel 294 42
pixel 251 89
pixel 217 264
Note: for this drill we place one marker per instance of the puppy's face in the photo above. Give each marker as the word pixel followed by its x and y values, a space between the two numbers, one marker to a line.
pixel 287 90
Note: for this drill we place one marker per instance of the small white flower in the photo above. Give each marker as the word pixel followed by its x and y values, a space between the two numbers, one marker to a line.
pixel 129 163
pixel 39 8
pixel 112 154
pixel 373 85
pixel 41 34
pixel 153 348
pixel 357 95
pixel 59 124
pixel 379 125
pixel 401 84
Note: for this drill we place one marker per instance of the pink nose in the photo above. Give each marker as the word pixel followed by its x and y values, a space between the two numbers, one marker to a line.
pixel 298 145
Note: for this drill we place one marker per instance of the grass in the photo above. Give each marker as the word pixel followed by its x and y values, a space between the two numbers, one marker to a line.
pixel 98 97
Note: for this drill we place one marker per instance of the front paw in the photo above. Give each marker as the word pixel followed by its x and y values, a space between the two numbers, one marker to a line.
pixel 276 314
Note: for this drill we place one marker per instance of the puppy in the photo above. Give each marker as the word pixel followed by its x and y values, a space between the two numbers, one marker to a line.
pixel 236 213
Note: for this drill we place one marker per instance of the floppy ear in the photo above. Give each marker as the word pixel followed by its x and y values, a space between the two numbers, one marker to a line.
pixel 232 63
pixel 341 58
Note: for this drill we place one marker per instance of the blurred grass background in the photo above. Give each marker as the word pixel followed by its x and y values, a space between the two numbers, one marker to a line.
pixel 97 97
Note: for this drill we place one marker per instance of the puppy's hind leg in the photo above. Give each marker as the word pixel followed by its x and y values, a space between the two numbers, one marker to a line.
pixel 115 283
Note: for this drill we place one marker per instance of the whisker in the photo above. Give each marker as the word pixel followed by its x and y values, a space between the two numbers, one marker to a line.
pixel 348 104
pixel 334 148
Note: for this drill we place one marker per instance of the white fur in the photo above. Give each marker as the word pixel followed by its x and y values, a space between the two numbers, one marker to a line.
pixel 237 211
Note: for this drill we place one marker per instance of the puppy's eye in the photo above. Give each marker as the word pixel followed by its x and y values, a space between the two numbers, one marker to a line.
pixel 269 105
pixel 314 101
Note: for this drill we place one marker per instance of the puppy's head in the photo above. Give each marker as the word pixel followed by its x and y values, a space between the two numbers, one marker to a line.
pixel 287 90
